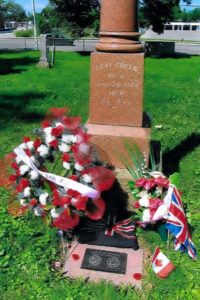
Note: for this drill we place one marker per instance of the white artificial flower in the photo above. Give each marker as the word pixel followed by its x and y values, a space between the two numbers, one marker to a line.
pixel 144 201
pixel 73 138
pixel 49 138
pixel 67 138
pixel 37 211
pixel 43 198
pixel 78 167
pixel 30 145
pixel 43 150
pixel 23 202
pixel 73 201
pixel 156 174
pixel 34 175
pixel 146 215
pixel 47 130
pixel 59 124
pixel 64 147
pixel 84 148
pixel 27 191
pixel 86 178
pixel 66 165
pixel 54 213
pixel 23 169
pixel 17 159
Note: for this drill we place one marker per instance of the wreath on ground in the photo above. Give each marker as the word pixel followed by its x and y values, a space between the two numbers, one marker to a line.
pixel 57 175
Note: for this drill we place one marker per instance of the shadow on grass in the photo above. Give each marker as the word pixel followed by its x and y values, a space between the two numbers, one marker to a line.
pixel 15 107
pixel 15 65
pixel 172 158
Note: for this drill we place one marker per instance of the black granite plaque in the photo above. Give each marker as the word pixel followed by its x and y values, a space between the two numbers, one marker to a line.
pixel 105 261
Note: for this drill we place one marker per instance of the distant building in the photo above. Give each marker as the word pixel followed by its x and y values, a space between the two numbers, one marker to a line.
pixel 182 26
pixel 18 25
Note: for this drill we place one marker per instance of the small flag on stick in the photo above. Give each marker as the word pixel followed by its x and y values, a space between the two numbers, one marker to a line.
pixel 161 265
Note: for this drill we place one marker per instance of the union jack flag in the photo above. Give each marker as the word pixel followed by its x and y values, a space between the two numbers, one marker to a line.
pixel 177 224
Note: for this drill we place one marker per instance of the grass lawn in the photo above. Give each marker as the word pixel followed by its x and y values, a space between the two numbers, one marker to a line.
pixel 28 247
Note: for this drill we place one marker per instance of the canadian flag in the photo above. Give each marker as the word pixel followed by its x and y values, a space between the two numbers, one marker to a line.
pixel 161 265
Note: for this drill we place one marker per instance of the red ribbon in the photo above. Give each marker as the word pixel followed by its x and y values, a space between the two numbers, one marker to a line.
pixel 121 228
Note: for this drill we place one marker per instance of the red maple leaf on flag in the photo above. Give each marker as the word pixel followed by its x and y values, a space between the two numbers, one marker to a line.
pixel 158 263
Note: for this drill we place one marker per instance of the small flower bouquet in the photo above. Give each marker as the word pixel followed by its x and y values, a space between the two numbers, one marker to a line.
pixel 57 175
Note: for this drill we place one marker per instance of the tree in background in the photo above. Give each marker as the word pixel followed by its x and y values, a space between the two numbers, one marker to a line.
pixel 81 14
pixel 49 20
pixel 11 11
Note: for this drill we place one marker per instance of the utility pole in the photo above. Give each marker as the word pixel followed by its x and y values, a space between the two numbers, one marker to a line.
pixel 34 24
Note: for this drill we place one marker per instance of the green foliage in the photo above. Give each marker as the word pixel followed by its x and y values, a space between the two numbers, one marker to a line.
pixel 28 247
pixel 24 33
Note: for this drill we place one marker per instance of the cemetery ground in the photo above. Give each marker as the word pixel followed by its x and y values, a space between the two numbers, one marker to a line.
pixel 28 247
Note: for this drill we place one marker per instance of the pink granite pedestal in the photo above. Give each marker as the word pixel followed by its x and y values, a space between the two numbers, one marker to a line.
pixel 72 267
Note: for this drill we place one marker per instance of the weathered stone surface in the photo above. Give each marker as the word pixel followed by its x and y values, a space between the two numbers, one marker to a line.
pixel 118 27
pixel 110 141
pixel 72 267
pixel 116 94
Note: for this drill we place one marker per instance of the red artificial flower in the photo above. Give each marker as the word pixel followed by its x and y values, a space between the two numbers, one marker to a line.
pixel 13 178
pixel 81 203
pixel 99 210
pixel 58 111
pixel 65 200
pixel 57 131
pixel 14 165
pixel 73 177
pixel 73 193
pixel 22 185
pixel 28 152
pixel 140 182
pixel 102 178
pixel 66 220
pixel 45 124
pixel 137 276
pixel 136 205
pixel 75 256
pixel 71 123
pixel 65 157
pixel 54 144
pixel 163 182
pixel 154 203
pixel 150 183
pixel 56 198
pixel 33 202
pixel 26 139
pixel 37 143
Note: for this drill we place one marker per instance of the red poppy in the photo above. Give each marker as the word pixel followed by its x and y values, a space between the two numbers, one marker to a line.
pixel 65 200
pixel 137 276
pixel 45 124
pixel 75 256
pixel 73 177
pixel 136 205
pixel 26 139
pixel 154 203
pixel 54 144
pixel 57 131
pixel 66 220
pixel 99 210
pixel 73 193
pixel 150 183
pixel 65 157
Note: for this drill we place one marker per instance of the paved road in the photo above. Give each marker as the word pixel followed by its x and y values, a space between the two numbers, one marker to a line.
pixel 82 45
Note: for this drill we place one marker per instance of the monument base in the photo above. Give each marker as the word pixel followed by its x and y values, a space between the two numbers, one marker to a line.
pixel 109 140
pixel 43 64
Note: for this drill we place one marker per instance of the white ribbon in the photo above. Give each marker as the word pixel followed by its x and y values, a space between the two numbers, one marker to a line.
pixel 62 181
